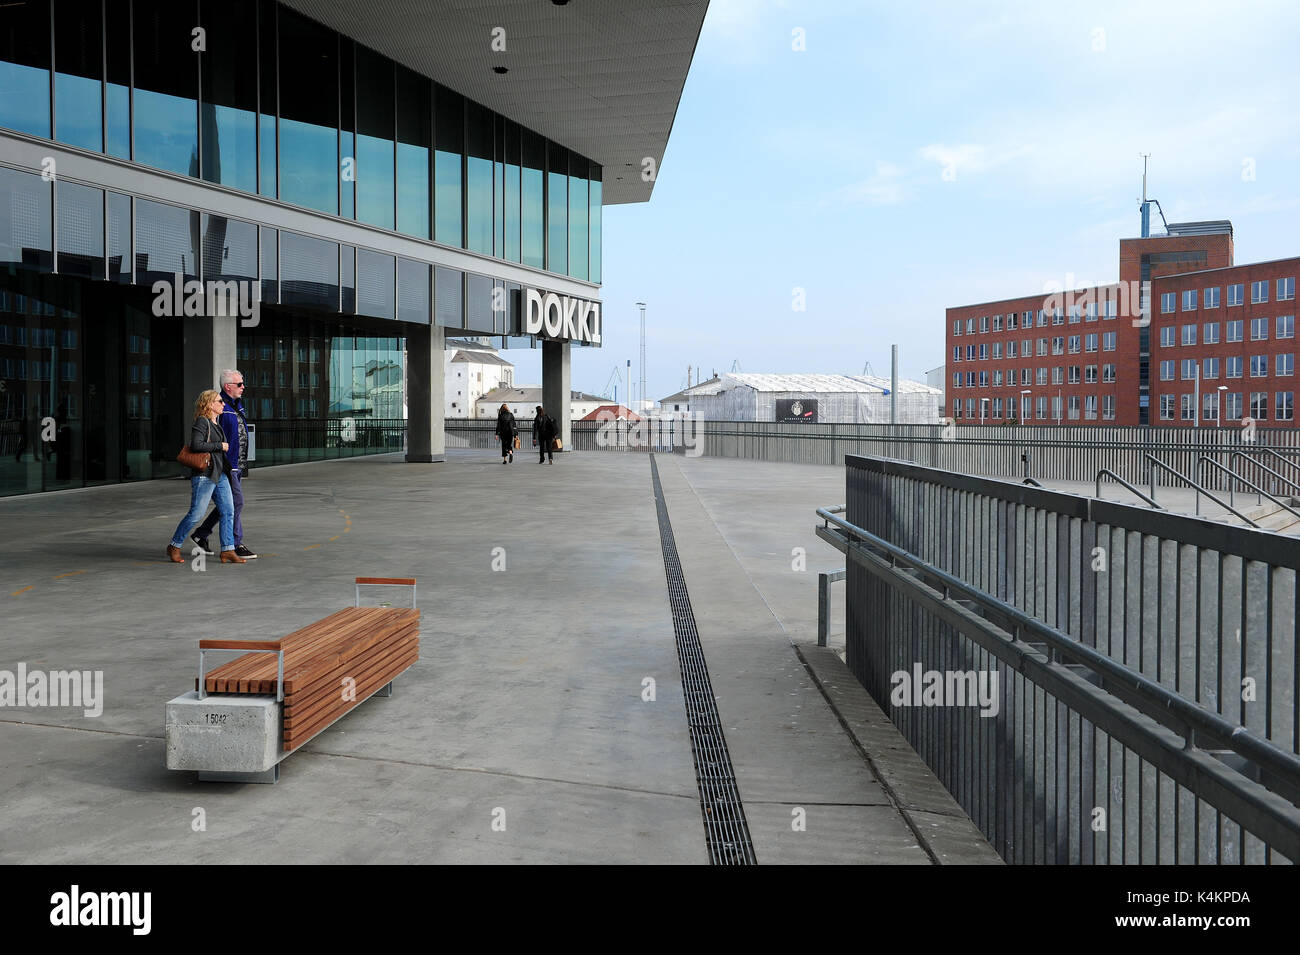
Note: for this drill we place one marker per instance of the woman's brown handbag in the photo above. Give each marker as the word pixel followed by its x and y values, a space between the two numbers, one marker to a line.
pixel 199 460
pixel 557 444
pixel 194 459
pixel 516 442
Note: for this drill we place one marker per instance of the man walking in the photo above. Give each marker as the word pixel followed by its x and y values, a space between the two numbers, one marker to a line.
pixel 235 425
pixel 544 432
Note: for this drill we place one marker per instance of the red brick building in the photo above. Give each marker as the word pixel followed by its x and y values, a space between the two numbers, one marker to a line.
pixel 1100 355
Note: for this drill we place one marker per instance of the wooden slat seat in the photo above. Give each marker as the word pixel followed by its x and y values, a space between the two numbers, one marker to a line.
pixel 369 645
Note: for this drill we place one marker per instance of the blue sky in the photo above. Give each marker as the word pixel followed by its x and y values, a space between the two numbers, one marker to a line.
pixel 824 170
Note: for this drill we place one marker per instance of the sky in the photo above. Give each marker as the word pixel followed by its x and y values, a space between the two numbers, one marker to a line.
pixel 913 157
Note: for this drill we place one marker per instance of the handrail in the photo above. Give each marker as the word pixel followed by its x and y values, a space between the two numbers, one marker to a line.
pixel 1250 484
pixel 1199 490
pixel 1030 480
pixel 1112 474
pixel 1260 464
pixel 1281 457
pixel 1176 712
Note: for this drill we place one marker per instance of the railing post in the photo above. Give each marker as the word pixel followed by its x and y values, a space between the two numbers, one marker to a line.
pixel 823 608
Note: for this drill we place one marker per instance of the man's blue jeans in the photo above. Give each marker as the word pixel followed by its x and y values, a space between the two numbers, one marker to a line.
pixel 237 494
pixel 203 490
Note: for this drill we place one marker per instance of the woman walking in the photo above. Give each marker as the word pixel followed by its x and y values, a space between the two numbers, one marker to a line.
pixel 206 437
pixel 506 431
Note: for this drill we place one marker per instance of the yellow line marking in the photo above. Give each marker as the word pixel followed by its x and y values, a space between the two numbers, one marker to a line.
pixel 312 547
pixel 23 591
pixel 69 574
pixel 335 537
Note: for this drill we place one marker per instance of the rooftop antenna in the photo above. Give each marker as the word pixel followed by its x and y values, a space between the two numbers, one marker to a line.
pixel 735 366
pixel 1147 203
pixel 867 369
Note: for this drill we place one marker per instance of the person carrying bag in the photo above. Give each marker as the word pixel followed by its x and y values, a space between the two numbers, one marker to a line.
pixel 209 477
pixel 545 436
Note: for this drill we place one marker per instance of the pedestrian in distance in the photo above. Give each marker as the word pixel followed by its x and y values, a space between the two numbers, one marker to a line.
pixel 234 424
pixel 214 482
pixel 507 428
pixel 544 432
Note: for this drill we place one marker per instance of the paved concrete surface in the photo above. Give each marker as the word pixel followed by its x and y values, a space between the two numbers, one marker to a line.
pixel 526 706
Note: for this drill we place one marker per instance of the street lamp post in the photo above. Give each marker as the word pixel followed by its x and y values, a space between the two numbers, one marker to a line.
pixel 1196 393
pixel 1218 404
pixel 641 305
pixel 1024 455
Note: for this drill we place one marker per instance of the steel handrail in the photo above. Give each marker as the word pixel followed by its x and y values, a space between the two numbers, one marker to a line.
pixel 1260 464
pixel 1199 490
pixel 1281 457
pixel 1121 682
pixel 1250 484
pixel 1108 472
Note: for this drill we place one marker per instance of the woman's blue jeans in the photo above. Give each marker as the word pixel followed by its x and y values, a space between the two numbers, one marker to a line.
pixel 202 490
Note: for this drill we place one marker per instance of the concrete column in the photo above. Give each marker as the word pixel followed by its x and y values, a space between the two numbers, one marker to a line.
pixel 209 346
pixel 425 394
pixel 557 396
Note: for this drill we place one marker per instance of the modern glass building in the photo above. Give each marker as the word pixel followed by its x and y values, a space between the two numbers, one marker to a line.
pixel 188 185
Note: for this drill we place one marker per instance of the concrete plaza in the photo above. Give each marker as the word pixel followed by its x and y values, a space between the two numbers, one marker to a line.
pixel 526 705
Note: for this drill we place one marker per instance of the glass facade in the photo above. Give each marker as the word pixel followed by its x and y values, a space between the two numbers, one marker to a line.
pixel 251 96
pixel 267 101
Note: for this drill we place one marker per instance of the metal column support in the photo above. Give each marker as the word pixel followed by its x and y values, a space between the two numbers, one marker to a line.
pixel 824 582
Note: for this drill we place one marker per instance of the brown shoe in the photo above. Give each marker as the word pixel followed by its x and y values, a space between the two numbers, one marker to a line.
pixel 175 554
pixel 230 557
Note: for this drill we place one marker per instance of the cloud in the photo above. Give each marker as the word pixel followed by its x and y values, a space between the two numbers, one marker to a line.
pixel 969 157
pixel 886 187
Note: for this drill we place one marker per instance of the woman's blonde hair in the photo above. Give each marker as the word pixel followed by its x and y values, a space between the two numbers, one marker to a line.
pixel 202 401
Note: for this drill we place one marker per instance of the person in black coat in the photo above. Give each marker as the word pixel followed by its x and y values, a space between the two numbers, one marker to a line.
pixel 544 432
pixel 507 428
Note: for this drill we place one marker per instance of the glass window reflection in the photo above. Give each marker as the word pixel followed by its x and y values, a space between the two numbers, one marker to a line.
pixel 228 114
pixel 593 223
pixel 578 208
pixel 532 219
pixel 449 114
pixel 308 113
pixel 79 64
pixel 81 230
pixel 557 208
pixel 166 86
pixel 478 179
pixel 25 67
pixel 374 172
pixel 414 140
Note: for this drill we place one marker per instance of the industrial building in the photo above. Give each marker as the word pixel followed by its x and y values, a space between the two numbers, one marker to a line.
pixel 835 399
pixel 1213 344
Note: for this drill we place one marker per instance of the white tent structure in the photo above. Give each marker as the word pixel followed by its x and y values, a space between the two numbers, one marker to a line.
pixel 840 399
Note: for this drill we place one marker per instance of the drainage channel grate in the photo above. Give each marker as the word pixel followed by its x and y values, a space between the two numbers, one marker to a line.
pixel 724 816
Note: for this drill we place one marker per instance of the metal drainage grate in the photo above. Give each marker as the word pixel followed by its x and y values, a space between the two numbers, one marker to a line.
pixel 724 816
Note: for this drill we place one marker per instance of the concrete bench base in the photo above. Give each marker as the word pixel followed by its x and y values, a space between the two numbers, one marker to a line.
pixel 229 738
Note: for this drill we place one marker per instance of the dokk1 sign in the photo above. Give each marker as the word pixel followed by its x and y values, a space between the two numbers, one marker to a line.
pixel 561 317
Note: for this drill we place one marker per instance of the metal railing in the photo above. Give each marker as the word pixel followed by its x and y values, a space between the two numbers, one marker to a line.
pixel 1062 452
pixel 1146 710
pixel 1259 491
pixel 1184 479
pixel 1107 472
pixel 1263 467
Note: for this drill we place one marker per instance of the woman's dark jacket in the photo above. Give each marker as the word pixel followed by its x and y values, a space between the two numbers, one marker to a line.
pixel 206 435
pixel 506 427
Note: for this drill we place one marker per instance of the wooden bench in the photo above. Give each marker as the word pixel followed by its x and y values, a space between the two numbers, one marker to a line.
pixel 317 675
